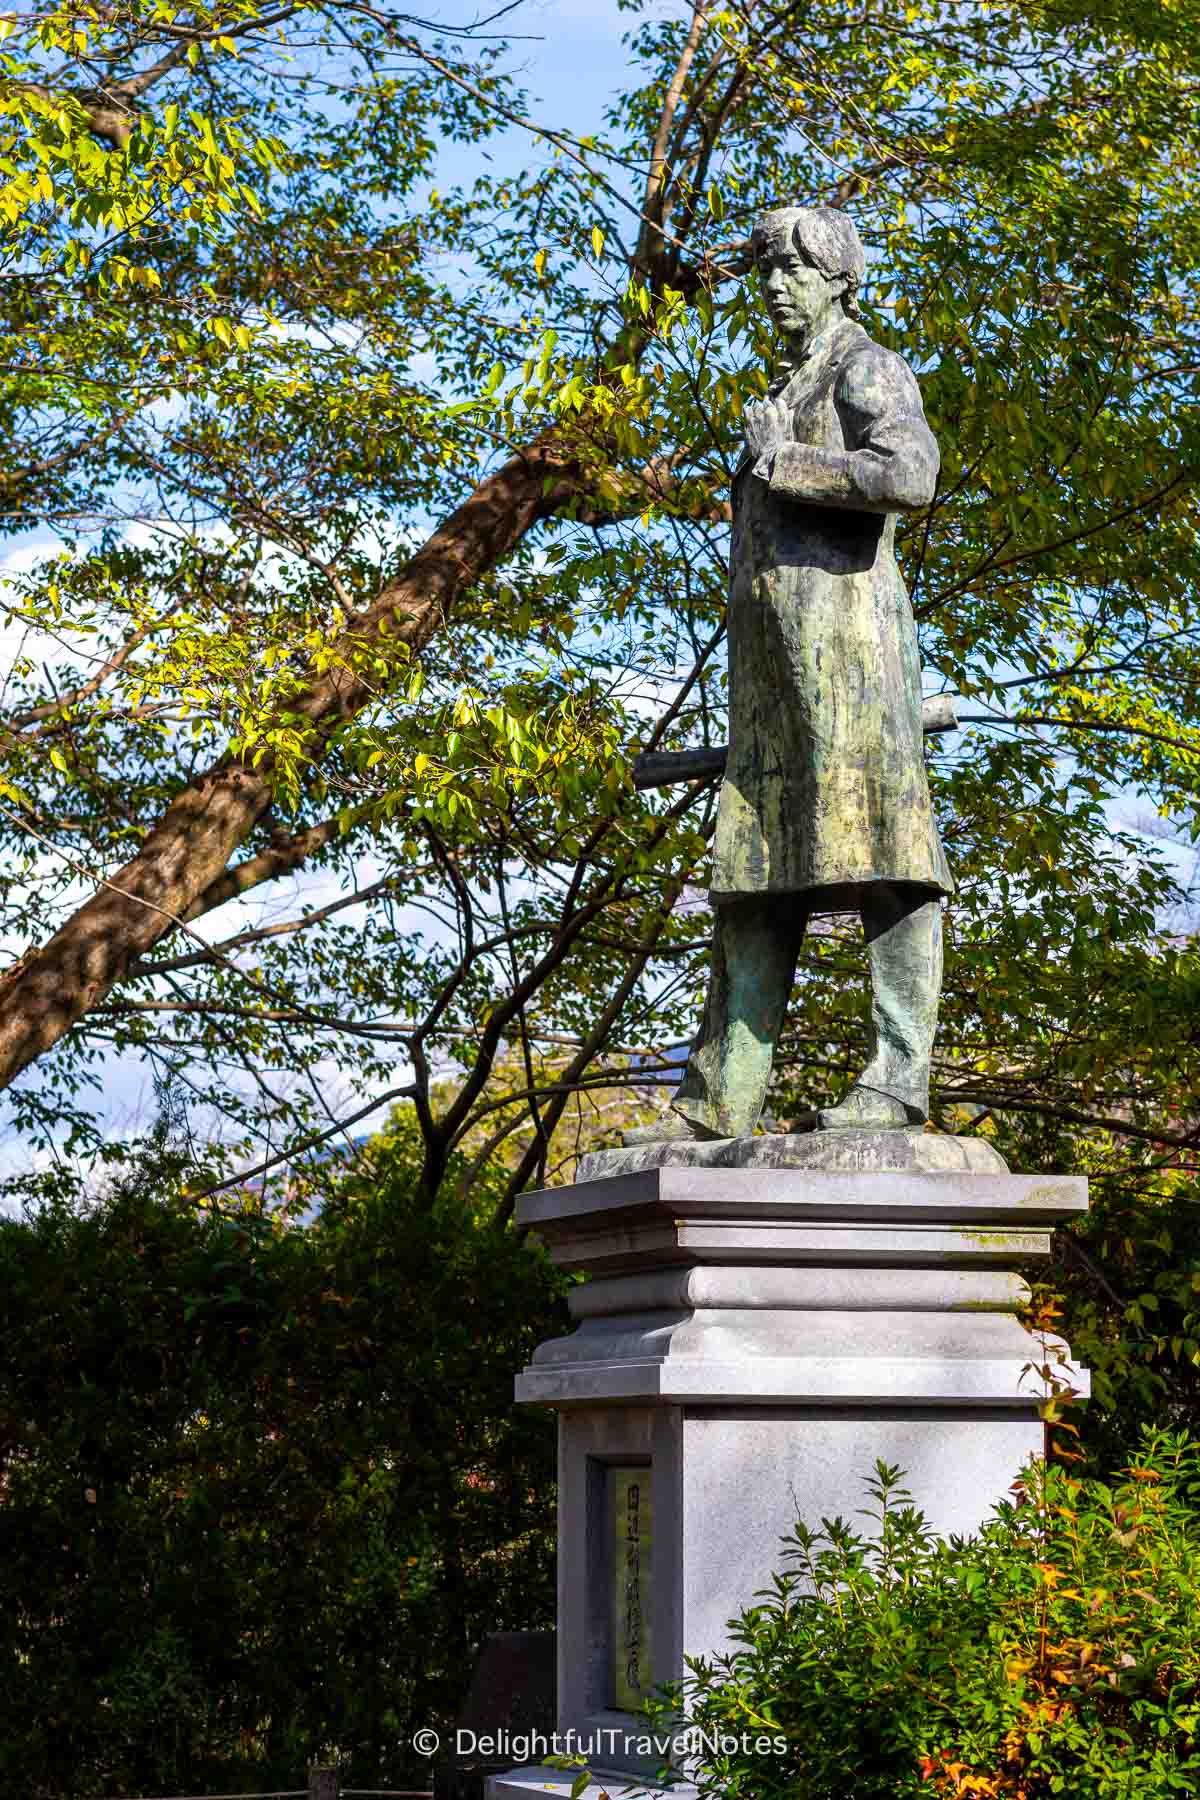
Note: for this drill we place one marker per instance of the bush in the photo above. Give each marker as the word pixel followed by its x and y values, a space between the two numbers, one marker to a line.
pixel 262 1489
pixel 1054 1654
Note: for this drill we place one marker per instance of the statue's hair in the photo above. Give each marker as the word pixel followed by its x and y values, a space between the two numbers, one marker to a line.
pixel 826 237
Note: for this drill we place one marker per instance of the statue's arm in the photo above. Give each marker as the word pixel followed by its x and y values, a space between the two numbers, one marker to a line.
pixel 894 463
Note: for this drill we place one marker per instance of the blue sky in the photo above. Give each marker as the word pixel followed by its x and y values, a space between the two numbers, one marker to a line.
pixel 569 57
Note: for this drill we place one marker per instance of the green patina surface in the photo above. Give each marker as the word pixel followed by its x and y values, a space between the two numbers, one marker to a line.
pixel 825 803
pixel 825 787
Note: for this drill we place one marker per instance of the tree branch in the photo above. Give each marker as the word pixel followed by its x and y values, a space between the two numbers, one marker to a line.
pixel 652 209
pixel 181 869
pixel 310 1143
pixel 204 958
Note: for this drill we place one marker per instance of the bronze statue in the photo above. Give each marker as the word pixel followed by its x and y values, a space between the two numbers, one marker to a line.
pixel 825 801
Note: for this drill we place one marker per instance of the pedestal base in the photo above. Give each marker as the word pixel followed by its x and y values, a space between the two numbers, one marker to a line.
pixel 751 1342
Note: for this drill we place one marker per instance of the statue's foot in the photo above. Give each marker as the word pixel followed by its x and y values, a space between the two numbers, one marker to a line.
pixel 870 1109
pixel 668 1128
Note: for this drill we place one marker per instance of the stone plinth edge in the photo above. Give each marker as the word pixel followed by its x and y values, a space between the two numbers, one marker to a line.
pixel 830 1197
pixel 809 1287
pixel 903 1382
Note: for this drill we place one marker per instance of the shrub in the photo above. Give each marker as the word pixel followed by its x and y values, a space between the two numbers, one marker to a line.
pixel 1056 1653
pixel 262 1489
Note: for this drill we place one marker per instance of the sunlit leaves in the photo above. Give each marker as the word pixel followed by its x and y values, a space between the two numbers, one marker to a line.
pixel 83 168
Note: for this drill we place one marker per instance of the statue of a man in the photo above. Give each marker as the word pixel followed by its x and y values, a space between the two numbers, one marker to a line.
pixel 825 804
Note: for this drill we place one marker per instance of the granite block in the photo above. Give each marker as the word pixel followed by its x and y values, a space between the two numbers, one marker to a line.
pixel 851 1152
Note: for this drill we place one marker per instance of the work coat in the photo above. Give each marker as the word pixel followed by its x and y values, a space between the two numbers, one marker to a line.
pixel 825 790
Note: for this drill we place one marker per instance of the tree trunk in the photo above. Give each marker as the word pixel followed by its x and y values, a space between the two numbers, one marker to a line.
pixel 51 988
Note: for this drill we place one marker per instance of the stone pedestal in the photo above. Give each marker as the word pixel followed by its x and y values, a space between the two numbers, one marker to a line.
pixel 750 1342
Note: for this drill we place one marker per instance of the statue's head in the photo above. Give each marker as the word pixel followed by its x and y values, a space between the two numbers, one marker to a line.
pixel 809 259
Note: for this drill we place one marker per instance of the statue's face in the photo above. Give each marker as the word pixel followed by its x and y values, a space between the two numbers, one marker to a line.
pixel 798 297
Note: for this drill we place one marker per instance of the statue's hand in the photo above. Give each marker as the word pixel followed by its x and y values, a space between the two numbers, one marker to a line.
pixel 768 426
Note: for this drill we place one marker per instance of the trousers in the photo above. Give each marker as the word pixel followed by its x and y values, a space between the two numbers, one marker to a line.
pixel 756 944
